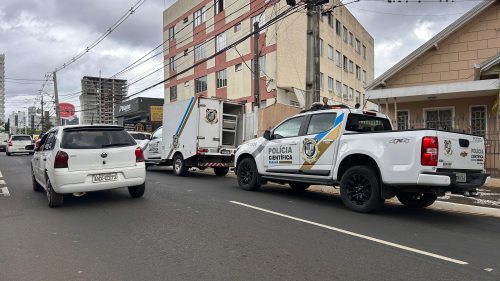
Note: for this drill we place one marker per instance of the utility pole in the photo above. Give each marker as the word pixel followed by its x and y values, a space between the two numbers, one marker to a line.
pixel 312 60
pixel 56 98
pixel 256 66
pixel 42 113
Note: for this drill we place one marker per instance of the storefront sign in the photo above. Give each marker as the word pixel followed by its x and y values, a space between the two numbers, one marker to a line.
pixel 156 113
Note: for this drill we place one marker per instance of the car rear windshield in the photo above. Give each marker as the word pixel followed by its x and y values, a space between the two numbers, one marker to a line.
pixel 93 138
pixel 21 138
pixel 367 123
pixel 137 136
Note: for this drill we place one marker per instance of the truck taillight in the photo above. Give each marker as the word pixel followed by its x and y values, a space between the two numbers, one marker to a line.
pixel 430 150
pixel 61 160
pixel 9 143
pixel 139 155
pixel 202 150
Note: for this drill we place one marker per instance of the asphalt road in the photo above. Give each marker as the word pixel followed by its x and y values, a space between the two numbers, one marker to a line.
pixel 204 228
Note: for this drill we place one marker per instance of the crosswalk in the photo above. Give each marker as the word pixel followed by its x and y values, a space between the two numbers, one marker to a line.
pixel 4 190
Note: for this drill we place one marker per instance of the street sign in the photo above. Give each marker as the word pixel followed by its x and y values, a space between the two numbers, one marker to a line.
pixel 66 110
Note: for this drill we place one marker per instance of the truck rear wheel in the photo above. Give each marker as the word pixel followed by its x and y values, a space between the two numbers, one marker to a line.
pixel 416 200
pixel 180 168
pixel 360 189
pixel 221 171
pixel 248 175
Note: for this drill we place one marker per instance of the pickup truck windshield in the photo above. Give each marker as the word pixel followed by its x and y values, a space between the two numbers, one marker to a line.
pixel 96 138
pixel 367 123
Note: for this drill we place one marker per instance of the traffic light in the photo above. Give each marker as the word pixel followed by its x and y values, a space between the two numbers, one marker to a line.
pixel 291 2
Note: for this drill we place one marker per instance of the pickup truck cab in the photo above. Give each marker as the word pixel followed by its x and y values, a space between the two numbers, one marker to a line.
pixel 359 151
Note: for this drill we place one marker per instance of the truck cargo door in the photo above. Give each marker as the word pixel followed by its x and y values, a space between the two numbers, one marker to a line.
pixel 460 151
pixel 209 128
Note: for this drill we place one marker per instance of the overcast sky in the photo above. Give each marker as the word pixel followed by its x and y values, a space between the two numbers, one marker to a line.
pixel 40 35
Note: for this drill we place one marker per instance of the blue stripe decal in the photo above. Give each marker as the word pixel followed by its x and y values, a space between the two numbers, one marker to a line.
pixel 337 122
pixel 184 117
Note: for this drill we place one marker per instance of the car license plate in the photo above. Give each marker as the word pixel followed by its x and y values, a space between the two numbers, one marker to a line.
pixel 461 177
pixel 105 177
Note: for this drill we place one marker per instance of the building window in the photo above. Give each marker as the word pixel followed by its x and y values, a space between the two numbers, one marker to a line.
pixel 330 84
pixel 345 34
pixel 364 52
pixel 338 28
pixel 221 79
pixel 237 67
pixel 478 120
pixel 357 47
pixel 358 97
pixel 346 63
pixel 345 94
pixel 262 66
pixel 338 62
pixel 338 88
pixel 330 52
pixel 220 43
pixel 171 64
pixel 320 47
pixel 171 33
pixel 330 20
pixel 237 27
pixel 351 93
pixel 200 52
pixel 351 39
pixel 358 72
pixel 219 6
pixel 321 76
pixel 439 119
pixel 199 17
pixel 403 119
pixel 173 93
pixel 200 84
pixel 351 66
pixel 364 76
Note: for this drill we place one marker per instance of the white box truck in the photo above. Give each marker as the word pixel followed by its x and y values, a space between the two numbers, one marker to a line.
pixel 199 132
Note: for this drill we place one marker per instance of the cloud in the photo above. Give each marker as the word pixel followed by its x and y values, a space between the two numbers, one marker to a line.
pixel 423 30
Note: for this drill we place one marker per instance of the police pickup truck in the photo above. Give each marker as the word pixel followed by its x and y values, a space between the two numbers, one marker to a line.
pixel 360 152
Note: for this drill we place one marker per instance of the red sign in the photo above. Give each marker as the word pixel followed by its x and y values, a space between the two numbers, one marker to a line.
pixel 66 110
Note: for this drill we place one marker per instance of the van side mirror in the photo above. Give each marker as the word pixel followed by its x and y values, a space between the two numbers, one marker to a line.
pixel 267 135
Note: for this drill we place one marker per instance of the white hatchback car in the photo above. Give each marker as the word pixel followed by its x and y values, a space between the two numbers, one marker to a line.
pixel 19 144
pixel 79 159
pixel 142 138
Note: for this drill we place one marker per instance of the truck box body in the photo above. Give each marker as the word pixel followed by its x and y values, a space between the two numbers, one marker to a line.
pixel 208 129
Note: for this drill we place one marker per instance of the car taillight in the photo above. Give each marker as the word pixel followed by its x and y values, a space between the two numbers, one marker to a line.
pixel 61 160
pixel 9 143
pixel 430 150
pixel 139 155
pixel 202 150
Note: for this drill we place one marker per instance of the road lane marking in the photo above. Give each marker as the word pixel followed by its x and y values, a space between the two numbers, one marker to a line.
pixel 376 240
pixel 5 191
pixel 1 175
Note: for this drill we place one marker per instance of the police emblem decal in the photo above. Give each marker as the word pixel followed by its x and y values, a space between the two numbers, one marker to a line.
pixel 447 148
pixel 211 116
pixel 310 149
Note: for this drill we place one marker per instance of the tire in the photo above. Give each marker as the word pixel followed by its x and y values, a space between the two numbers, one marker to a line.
pixel 248 175
pixel 180 168
pixel 55 199
pixel 137 191
pixel 221 171
pixel 299 186
pixel 7 153
pixel 360 189
pixel 36 186
pixel 416 200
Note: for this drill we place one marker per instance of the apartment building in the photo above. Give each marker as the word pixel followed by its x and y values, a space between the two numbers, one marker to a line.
pixel 196 30
pixel 2 89
pixel 99 98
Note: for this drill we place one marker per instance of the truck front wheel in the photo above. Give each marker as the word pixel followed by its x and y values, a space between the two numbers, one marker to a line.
pixel 360 189
pixel 416 200
pixel 248 175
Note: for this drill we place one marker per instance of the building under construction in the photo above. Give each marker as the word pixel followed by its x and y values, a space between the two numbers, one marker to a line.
pixel 99 98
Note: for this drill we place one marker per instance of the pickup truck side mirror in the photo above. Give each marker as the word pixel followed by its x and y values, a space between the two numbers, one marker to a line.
pixel 267 135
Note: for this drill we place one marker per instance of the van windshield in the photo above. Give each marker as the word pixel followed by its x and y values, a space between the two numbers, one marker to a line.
pixel 93 138
pixel 366 123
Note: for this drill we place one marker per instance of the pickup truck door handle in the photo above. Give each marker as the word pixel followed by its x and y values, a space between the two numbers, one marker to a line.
pixel 44 159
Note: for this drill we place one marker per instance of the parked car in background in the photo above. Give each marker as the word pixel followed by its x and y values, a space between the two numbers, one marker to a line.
pixel 20 144
pixel 79 159
pixel 4 138
pixel 142 138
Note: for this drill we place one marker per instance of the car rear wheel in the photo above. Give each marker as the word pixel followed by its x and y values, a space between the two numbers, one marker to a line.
pixel 180 168
pixel 360 189
pixel 221 171
pixel 36 186
pixel 299 186
pixel 137 191
pixel 55 199
pixel 8 153
pixel 416 200
pixel 248 175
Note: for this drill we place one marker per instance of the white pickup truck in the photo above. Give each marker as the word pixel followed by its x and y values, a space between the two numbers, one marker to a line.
pixel 359 151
